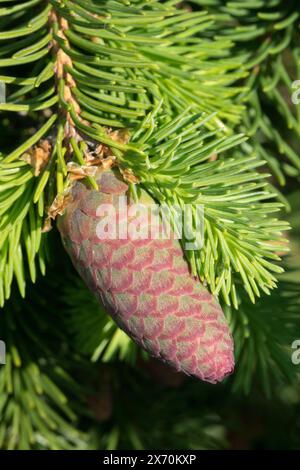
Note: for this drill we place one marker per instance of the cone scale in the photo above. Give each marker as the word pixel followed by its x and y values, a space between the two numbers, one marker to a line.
pixel 146 286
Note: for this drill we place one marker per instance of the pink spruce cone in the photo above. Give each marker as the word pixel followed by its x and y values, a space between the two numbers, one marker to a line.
pixel 147 287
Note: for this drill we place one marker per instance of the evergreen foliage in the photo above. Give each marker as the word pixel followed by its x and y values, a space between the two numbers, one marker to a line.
pixel 193 100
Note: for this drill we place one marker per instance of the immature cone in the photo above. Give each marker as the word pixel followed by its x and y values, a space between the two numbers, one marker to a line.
pixel 146 285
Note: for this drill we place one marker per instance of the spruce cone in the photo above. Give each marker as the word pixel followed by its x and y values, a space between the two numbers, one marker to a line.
pixel 147 287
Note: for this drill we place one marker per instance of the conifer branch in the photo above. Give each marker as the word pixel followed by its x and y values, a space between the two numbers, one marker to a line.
pixel 94 70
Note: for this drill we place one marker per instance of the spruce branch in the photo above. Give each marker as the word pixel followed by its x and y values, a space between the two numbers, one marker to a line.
pixel 39 397
pixel 264 342
pixel 270 118
pixel 175 166
pixel 89 72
